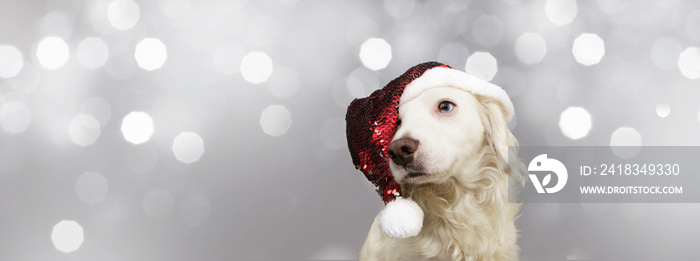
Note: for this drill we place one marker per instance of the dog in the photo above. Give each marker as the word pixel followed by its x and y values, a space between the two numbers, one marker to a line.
pixel 450 155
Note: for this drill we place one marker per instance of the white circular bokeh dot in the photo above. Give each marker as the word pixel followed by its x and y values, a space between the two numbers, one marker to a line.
pixel 67 236
pixel 15 117
pixel 256 67
pixel 588 49
pixel 11 61
pixel 663 109
pixel 575 122
pixel 92 53
pixel 689 63
pixel 91 187
pixel 530 48
pixel 375 54
pixel 84 130
pixel 625 142
pixel 188 147
pixel 561 12
pixel 482 65
pixel 275 120
pixel 52 52
pixel 158 204
pixel 137 127
pixel 150 54
pixel 123 14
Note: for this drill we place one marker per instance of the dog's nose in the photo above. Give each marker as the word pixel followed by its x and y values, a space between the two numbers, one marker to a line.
pixel 401 151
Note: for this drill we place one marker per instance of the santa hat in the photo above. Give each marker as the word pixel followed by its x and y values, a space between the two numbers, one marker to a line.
pixel 372 123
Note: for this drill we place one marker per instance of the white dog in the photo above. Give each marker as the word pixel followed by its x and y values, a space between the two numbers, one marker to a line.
pixel 450 156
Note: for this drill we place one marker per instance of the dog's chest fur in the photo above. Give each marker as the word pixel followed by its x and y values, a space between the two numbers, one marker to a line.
pixel 468 230
pixel 464 224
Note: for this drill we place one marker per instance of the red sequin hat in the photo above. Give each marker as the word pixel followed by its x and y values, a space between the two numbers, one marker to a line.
pixel 371 121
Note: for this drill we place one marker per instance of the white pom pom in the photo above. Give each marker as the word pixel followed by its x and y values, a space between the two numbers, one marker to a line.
pixel 401 218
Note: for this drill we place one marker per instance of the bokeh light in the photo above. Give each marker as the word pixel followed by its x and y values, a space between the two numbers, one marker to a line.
pixel 689 63
pixel 256 67
pixel 188 147
pixel 561 12
pixel 84 130
pixel 137 127
pixel 15 117
pixel 123 14
pixel 375 54
pixel 92 53
pixel 91 187
pixel 150 54
pixel 158 204
pixel 625 142
pixel 67 236
pixel 52 52
pixel 588 49
pixel 275 120
pixel 530 48
pixel 575 122
pixel 11 61
pixel 482 65
pixel 663 109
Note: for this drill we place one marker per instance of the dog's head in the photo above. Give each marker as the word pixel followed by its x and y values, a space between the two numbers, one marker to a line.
pixel 444 131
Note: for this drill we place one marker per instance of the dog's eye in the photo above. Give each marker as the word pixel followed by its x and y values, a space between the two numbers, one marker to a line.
pixel 446 107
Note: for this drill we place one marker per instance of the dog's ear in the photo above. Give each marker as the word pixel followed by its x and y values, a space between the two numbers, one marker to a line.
pixel 497 133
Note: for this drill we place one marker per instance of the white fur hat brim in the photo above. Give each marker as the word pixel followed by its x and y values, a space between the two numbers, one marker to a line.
pixel 448 77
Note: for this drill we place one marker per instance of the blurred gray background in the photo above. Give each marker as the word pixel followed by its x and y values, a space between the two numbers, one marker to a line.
pixel 214 130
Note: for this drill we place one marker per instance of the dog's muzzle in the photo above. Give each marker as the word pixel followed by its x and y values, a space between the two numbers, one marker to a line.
pixel 402 151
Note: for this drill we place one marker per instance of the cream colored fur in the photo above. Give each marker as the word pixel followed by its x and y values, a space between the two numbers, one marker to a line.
pixel 465 194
